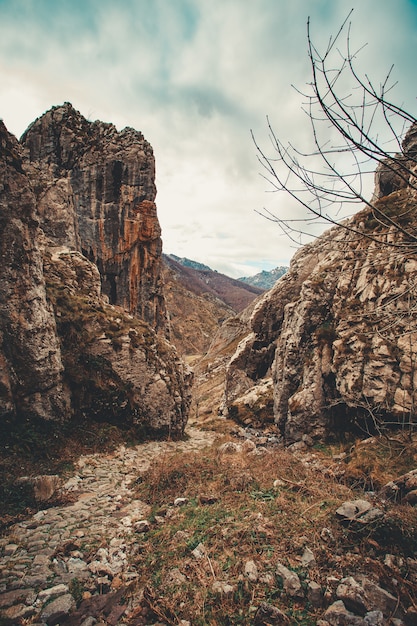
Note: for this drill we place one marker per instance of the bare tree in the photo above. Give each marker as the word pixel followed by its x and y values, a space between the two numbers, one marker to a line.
pixel 355 129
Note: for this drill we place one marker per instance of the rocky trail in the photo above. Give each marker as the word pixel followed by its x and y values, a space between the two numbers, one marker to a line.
pixel 271 538
pixel 46 560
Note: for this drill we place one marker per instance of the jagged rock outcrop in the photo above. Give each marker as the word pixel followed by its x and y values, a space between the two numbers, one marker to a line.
pixel 209 371
pixel 31 367
pixel 338 332
pixel 117 367
pixel 65 351
pixel 96 194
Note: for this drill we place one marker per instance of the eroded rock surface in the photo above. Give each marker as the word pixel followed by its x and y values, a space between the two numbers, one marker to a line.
pixel 83 324
pixel 31 368
pixel 96 194
pixel 116 365
pixel 338 332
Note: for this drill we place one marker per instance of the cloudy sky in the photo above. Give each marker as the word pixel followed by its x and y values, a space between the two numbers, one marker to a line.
pixel 195 76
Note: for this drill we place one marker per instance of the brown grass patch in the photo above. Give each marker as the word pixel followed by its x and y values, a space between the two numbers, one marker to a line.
pixel 251 519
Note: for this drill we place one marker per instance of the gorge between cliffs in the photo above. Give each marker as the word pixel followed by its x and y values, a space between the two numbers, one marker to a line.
pixel 263 439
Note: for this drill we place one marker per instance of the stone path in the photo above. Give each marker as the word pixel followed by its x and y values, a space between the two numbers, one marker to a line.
pixel 47 560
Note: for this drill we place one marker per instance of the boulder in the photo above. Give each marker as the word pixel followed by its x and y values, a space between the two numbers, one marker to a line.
pixel 358 511
pixel 58 609
pixel 43 486
pixel 315 594
pixel 251 571
pixel 222 588
pixel 269 615
pixel 363 596
pixel 402 488
pixel 338 615
pixel 353 509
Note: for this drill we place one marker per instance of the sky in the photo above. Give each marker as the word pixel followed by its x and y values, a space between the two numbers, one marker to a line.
pixel 196 76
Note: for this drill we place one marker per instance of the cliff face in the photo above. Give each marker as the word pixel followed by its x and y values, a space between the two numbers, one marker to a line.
pixel 96 194
pixel 78 218
pixel 116 366
pixel 30 358
pixel 337 334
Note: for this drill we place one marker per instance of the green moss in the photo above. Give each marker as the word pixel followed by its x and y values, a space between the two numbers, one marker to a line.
pixel 76 589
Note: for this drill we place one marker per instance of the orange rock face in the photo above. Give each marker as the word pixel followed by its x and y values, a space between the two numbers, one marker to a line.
pixel 101 191
pixel 81 296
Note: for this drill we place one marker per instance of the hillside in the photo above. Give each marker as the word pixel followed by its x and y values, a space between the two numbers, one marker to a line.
pixel 199 301
pixel 207 281
pixel 263 280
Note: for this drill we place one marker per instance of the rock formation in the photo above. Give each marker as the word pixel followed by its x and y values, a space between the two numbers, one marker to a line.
pixel 96 194
pixel 31 367
pixel 337 334
pixel 78 219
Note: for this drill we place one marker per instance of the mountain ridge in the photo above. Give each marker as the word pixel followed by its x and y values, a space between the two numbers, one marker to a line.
pixel 265 279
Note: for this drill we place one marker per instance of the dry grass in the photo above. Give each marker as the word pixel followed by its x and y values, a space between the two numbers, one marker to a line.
pixel 373 462
pixel 238 515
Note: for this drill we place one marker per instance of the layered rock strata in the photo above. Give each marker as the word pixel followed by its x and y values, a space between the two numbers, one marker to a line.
pixel 31 381
pixel 96 194
pixel 70 228
pixel 338 332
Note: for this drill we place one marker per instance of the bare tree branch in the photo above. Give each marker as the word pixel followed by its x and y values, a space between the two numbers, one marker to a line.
pixel 331 175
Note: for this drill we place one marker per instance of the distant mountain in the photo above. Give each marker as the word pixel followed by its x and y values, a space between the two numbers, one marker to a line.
pixel 265 280
pixel 207 281
pixel 195 265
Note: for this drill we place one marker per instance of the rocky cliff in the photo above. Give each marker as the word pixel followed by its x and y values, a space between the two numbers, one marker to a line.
pixel 96 192
pixel 78 219
pixel 336 337
pixel 31 368
pixel 117 367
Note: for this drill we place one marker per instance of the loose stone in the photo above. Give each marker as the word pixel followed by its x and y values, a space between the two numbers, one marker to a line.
pixel 53 545
pixel 58 608
pixel 10 549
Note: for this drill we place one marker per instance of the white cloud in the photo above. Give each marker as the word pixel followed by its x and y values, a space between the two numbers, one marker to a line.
pixel 195 76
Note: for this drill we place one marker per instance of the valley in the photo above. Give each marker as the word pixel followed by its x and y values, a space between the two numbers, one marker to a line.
pixel 180 447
